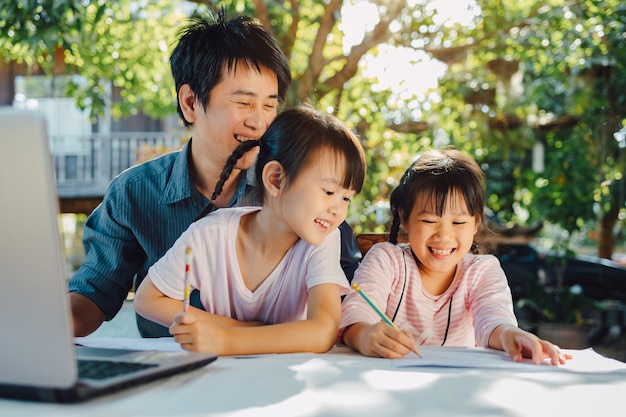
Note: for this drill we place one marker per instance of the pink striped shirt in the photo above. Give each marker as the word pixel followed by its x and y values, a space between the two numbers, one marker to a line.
pixel 477 301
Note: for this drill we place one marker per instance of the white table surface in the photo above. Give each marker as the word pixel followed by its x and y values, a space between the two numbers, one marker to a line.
pixel 343 383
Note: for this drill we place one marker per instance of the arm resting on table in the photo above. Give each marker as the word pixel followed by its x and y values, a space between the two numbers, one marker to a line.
pixel 86 315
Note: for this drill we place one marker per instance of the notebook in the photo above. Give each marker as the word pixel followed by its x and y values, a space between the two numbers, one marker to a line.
pixel 39 358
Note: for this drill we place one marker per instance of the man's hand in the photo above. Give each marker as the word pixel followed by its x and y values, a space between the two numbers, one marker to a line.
pixel 86 315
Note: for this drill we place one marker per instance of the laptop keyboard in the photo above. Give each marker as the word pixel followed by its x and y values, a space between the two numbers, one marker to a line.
pixel 95 369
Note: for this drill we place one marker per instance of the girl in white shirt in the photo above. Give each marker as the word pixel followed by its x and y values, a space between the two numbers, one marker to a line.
pixel 433 288
pixel 269 277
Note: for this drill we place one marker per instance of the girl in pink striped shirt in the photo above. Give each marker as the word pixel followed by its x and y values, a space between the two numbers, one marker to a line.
pixel 433 287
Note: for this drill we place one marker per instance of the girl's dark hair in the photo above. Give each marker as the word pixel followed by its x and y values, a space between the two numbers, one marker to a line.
pixel 292 139
pixel 438 174
pixel 210 44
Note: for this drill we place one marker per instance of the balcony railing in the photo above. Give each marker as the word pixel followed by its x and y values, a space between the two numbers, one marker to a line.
pixel 84 165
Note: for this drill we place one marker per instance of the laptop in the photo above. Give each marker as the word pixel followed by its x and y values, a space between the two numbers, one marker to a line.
pixel 40 360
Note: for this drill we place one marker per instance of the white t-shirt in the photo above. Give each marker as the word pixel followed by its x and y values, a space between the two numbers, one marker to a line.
pixel 215 272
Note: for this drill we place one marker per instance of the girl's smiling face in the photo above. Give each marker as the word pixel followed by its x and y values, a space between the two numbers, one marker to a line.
pixel 316 202
pixel 440 240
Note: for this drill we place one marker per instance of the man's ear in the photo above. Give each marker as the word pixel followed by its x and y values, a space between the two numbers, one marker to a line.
pixel 187 101
pixel 273 178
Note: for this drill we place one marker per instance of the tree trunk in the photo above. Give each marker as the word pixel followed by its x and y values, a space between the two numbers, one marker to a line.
pixel 606 239
pixel 7 83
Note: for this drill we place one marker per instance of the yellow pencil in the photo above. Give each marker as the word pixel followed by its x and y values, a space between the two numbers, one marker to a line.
pixel 188 258
pixel 380 312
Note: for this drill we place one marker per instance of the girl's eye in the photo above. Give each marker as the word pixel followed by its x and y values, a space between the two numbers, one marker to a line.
pixel 329 192
pixel 459 223
pixel 347 199
pixel 428 221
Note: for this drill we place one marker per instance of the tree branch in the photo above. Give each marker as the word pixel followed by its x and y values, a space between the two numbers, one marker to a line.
pixel 379 35
pixel 316 59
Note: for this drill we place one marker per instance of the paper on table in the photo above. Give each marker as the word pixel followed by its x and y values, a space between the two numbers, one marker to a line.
pixel 162 344
pixel 586 360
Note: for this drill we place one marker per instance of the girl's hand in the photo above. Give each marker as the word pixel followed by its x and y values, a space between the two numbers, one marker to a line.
pixel 520 344
pixel 378 340
pixel 197 333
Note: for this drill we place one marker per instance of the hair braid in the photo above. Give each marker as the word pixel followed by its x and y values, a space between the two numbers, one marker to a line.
pixel 395 228
pixel 239 152
pixel 397 202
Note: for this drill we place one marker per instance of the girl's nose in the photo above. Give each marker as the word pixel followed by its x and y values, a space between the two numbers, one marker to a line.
pixel 444 230
pixel 338 207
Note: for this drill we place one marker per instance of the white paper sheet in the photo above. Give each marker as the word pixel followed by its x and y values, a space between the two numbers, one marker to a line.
pixel 162 344
pixel 586 360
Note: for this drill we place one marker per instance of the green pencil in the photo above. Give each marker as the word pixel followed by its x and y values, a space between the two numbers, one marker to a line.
pixel 380 312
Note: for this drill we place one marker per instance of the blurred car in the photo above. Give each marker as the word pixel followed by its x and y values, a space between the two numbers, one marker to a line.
pixel 601 280
pixel 524 264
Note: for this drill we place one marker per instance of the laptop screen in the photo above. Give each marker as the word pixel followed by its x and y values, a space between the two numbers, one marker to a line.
pixel 37 344
pixel 37 334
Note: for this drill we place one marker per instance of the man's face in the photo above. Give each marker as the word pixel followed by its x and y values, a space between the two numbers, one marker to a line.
pixel 240 108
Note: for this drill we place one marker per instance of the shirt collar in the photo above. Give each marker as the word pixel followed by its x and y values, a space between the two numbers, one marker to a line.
pixel 178 185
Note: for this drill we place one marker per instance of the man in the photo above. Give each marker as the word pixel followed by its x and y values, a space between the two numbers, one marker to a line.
pixel 230 78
